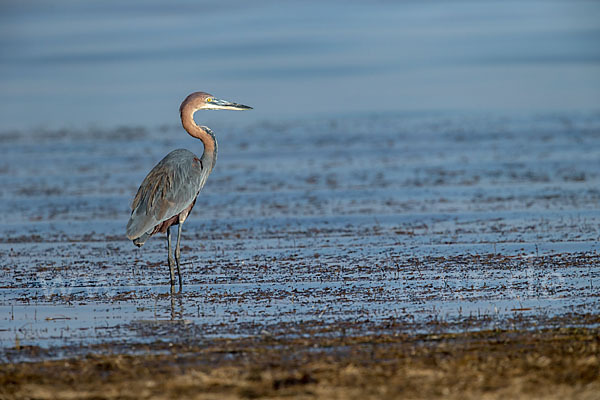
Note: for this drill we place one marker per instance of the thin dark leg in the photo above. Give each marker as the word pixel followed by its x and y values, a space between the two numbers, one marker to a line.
pixel 170 258
pixel 177 254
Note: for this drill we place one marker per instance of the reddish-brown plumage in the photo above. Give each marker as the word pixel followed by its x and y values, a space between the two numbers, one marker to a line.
pixel 174 220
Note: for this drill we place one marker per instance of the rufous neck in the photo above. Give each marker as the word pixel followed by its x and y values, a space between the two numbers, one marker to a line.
pixel 187 120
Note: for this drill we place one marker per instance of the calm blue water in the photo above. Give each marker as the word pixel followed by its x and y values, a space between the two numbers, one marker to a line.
pixel 468 185
pixel 453 217
pixel 72 63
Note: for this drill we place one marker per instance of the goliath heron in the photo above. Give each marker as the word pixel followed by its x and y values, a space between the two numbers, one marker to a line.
pixel 169 191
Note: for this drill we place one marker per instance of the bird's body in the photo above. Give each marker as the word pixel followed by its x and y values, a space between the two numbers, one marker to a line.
pixel 168 193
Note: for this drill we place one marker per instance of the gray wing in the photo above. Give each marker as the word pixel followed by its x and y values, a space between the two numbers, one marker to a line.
pixel 167 190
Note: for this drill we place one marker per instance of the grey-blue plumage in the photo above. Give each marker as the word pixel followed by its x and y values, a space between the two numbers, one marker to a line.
pixel 168 193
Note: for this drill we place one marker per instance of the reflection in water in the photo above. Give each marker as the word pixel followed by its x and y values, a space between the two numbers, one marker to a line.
pixel 176 309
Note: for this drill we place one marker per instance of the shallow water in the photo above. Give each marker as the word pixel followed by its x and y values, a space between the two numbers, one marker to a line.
pixel 466 219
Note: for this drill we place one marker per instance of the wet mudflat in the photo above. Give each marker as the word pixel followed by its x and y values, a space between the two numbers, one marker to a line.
pixel 315 250
pixel 555 364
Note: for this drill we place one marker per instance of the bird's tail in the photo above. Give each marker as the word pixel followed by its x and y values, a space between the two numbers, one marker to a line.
pixel 139 242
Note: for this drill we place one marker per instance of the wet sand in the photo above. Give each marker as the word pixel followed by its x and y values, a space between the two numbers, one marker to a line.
pixel 421 255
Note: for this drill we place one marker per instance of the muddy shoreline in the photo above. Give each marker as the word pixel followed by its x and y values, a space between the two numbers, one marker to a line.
pixel 557 363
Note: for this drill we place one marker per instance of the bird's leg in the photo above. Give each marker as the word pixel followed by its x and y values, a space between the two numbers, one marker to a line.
pixel 177 254
pixel 170 258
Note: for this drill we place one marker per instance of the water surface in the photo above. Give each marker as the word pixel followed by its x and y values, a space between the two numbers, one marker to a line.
pixel 474 221
pixel 72 63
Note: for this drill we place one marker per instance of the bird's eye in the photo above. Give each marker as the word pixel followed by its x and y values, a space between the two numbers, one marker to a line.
pixel 209 100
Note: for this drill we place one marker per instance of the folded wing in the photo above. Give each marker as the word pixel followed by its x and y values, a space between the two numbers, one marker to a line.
pixel 171 186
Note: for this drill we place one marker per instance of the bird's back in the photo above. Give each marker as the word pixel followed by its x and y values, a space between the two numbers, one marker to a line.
pixel 170 187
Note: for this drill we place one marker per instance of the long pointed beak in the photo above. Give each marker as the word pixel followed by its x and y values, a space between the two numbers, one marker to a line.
pixel 218 104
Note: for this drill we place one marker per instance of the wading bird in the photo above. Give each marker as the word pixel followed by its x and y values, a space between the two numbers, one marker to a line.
pixel 169 191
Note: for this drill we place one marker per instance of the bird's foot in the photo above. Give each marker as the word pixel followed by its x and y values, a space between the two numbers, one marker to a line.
pixel 175 292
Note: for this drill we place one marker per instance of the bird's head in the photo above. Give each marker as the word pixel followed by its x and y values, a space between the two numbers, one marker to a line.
pixel 204 101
